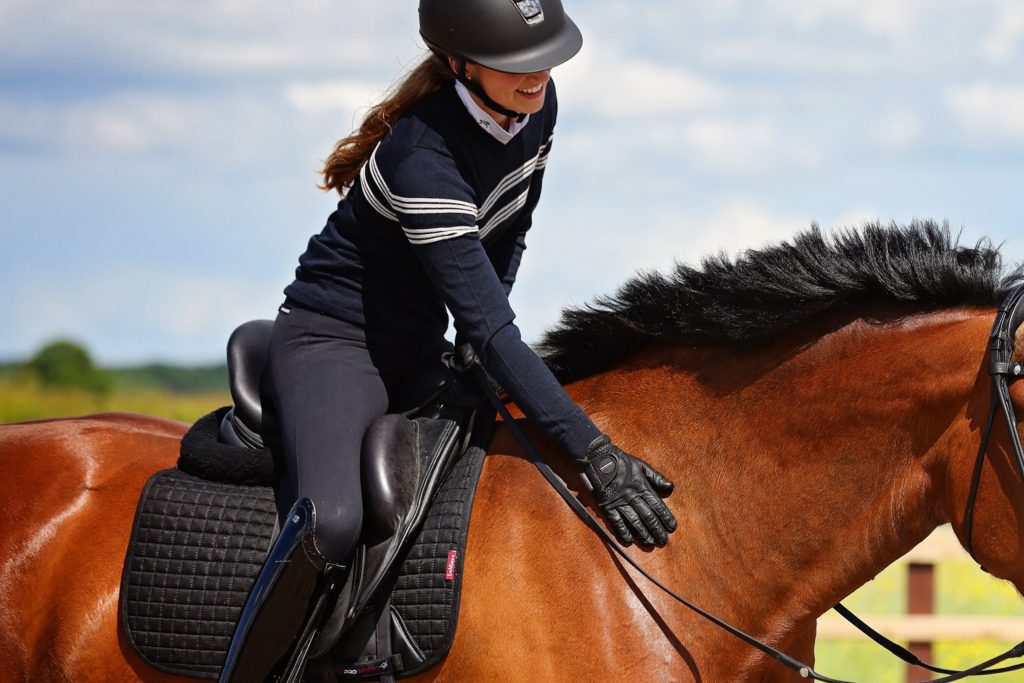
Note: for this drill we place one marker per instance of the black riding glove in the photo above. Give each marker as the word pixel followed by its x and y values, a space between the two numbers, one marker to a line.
pixel 627 490
pixel 465 355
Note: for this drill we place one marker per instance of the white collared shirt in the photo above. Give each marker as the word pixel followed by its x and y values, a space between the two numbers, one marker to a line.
pixel 486 121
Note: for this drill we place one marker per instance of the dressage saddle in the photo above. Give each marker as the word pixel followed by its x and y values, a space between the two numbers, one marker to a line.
pixel 406 455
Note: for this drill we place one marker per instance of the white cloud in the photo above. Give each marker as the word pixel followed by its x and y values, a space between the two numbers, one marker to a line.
pixel 331 97
pixel 735 226
pixel 896 20
pixel 988 109
pixel 119 124
pixel 897 129
pixel 775 53
pixel 853 217
pixel 133 124
pixel 1008 29
pixel 747 147
pixel 611 84
pixel 216 37
pixel 228 128
pixel 730 145
pixel 742 148
pixel 193 314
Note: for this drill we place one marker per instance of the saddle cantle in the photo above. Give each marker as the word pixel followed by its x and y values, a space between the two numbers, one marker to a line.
pixel 202 530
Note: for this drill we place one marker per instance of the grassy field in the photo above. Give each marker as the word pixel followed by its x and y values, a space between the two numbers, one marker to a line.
pixel 25 400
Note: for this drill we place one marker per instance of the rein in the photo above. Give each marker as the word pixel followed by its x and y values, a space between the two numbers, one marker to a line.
pixel 1002 371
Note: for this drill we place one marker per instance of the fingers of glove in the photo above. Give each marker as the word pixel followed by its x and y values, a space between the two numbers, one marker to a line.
pixel 619 526
pixel 659 482
pixel 635 523
pixel 650 520
pixel 660 509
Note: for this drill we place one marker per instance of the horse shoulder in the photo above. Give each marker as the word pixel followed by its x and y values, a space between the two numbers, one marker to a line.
pixel 541 598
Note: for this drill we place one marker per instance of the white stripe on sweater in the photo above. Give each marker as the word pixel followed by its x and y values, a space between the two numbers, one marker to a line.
pixel 372 198
pixel 506 211
pixel 429 235
pixel 417 204
pixel 512 179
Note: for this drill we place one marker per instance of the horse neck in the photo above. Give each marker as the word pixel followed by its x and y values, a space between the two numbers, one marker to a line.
pixel 805 466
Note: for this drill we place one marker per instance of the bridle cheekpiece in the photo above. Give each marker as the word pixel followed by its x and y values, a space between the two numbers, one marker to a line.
pixel 1003 370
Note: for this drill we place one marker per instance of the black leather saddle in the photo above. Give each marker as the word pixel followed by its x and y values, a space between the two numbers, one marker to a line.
pixel 406 455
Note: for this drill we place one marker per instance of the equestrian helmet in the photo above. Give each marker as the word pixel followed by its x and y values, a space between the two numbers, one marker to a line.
pixel 515 36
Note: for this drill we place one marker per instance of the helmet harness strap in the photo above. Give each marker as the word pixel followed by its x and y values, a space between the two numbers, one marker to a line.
pixel 478 90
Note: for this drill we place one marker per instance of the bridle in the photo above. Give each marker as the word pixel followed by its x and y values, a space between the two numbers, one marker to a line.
pixel 1002 371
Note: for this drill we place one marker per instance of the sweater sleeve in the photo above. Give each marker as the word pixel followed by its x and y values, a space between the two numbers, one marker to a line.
pixel 507 254
pixel 466 280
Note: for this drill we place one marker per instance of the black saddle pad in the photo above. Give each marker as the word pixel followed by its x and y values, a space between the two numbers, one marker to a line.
pixel 197 547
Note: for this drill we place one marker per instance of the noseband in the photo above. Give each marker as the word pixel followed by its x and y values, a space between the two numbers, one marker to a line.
pixel 1002 371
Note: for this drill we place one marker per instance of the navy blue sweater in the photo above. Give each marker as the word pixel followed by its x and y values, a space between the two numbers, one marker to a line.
pixel 436 219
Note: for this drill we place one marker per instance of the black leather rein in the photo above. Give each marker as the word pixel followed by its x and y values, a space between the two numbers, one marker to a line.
pixel 1002 371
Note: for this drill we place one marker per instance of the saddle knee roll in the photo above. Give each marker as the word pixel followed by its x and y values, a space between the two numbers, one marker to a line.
pixel 390 475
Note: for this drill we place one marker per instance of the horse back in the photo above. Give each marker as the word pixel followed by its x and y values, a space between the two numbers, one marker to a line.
pixel 68 490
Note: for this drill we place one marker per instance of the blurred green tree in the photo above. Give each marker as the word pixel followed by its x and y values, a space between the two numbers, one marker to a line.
pixel 64 363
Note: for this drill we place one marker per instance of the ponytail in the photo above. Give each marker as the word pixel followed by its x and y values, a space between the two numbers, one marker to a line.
pixel 349 154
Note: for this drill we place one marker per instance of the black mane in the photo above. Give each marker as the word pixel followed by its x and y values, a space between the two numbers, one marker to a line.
pixel 764 291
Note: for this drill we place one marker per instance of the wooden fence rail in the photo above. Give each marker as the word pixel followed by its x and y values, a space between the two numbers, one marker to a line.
pixel 920 627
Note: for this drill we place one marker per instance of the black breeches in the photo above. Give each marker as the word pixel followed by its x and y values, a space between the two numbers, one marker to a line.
pixel 324 389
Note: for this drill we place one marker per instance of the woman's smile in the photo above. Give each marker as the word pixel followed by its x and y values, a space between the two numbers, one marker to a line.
pixel 531 92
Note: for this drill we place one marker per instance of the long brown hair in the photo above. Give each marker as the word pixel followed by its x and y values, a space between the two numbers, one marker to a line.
pixel 350 153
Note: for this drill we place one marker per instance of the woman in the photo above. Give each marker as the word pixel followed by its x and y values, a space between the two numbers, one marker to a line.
pixel 439 185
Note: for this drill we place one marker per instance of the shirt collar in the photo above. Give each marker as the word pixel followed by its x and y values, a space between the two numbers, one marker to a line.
pixel 486 121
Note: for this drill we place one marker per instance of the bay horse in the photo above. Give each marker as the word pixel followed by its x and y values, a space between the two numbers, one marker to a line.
pixel 818 404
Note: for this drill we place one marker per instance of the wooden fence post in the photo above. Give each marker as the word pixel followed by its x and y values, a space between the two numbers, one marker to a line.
pixel 920 600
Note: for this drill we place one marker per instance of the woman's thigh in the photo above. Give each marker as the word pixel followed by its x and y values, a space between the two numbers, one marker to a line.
pixel 325 392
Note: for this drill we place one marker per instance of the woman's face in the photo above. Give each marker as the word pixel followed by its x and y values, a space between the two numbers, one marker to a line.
pixel 518 92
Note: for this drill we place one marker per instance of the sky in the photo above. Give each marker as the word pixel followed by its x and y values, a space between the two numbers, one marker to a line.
pixel 158 159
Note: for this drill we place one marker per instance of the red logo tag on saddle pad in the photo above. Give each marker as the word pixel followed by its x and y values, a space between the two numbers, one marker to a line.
pixel 449 570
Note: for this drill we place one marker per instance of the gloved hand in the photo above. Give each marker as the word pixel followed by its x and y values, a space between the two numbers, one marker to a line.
pixel 627 490
pixel 465 355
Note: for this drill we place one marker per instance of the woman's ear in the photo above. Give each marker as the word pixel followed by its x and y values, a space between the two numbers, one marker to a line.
pixel 467 68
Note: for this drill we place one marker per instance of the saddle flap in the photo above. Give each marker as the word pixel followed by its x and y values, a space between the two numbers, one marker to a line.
pixel 403 462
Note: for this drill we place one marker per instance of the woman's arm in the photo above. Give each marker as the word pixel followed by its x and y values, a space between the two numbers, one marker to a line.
pixel 465 278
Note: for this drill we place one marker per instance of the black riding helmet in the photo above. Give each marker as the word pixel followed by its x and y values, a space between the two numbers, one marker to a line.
pixel 515 36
